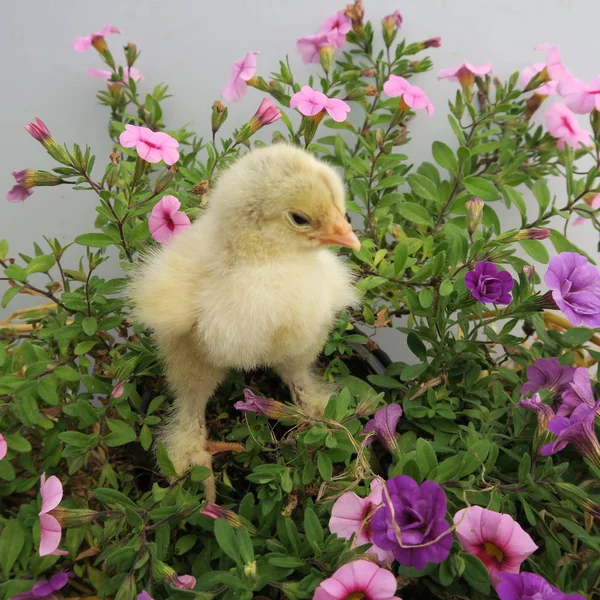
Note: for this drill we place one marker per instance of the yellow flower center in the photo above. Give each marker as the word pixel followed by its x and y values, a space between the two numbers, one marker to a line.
pixel 356 596
pixel 494 551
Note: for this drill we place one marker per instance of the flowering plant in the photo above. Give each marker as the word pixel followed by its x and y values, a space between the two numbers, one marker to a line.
pixel 474 467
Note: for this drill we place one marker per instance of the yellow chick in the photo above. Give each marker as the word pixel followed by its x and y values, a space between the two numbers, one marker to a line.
pixel 250 284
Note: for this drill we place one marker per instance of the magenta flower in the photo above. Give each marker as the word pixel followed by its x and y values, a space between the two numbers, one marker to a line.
pixel 266 114
pixel 38 131
pixel 151 146
pixel 166 220
pixel 544 412
pixel 556 70
pixel 183 582
pixel 495 538
pixel 488 284
pixel 51 491
pixel 578 392
pixel 82 44
pixel 358 579
pixel 144 595
pixel 118 390
pixel 594 203
pixel 547 374
pixel 414 97
pixel 45 588
pixel 21 190
pixel 578 429
pixel 563 125
pixel 267 407
pixel 412 522
pixel 242 71
pixel 465 73
pixel 527 74
pixel 3 447
pixel 579 96
pixel 529 586
pixel 311 46
pixel 351 516
pixel 575 285
pixel 384 425
pixel 338 25
pixel 128 73
pixel 311 102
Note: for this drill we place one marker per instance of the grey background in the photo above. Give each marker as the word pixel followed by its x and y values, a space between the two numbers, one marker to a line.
pixel 191 44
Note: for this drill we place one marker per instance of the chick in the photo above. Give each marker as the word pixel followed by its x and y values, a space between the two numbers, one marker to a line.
pixel 250 284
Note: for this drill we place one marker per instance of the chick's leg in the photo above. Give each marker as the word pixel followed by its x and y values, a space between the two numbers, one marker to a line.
pixel 308 390
pixel 194 382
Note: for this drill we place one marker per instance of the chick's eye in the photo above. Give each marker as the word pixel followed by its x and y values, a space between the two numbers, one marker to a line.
pixel 299 219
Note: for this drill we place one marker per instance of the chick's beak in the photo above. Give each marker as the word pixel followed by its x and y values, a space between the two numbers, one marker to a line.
pixel 338 233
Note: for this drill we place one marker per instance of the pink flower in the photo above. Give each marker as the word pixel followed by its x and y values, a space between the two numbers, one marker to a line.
pixel 527 74
pixel 579 96
pixel 465 73
pixel 495 538
pixel 151 146
pixel 51 491
pixel 21 190
pixel 38 130
pixel 118 390
pixel 183 582
pixel 358 579
pixel 351 515
pixel 338 25
pixel 413 96
pixel 128 74
pixel 310 46
pixel 3 447
pixel 265 115
pixel 144 595
pixel 594 203
pixel 311 102
pixel 242 71
pixel 556 69
pixel 166 220
pixel 563 125
pixel 82 44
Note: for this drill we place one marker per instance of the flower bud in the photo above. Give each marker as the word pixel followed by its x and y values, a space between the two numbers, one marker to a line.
pixel 595 118
pixel 267 407
pixel 529 273
pixel 474 214
pixel 165 179
pixel 357 93
pixel 265 115
pixel 391 24
pixel 41 133
pixel 347 76
pixel 131 54
pixel 538 79
pixel 128 588
pixel 214 511
pixel 379 138
pixel 29 178
pixel 535 233
pixel 367 72
pixel 326 56
pixel 166 574
pixel 435 42
pixel 218 115
pixel 73 517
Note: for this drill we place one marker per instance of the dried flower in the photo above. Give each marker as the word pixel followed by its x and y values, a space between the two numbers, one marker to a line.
pixel 351 516
pixel 413 515
pixel 218 115
pixel 82 44
pixel 411 96
pixel 562 124
pixel 488 284
pixel 384 425
pixel 358 579
pixel 151 146
pixel 200 189
pixel 241 72
pixel 356 13
pixel 495 538
pixel 166 220
pixel 529 586
pixel 575 285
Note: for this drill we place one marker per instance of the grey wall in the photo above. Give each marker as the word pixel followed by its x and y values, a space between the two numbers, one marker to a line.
pixel 190 44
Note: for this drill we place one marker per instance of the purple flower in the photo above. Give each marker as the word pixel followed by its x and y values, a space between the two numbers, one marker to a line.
pixel 529 586
pixel 384 425
pixel 267 407
pixel 578 429
pixel 44 588
pixel 575 285
pixel 547 374
pixel 488 284
pixel 578 392
pixel 416 516
pixel 545 414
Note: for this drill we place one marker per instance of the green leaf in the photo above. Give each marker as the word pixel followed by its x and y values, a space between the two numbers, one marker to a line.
pixel 413 372
pixel 11 544
pixel 122 433
pixel 89 325
pixel 426 297
pixel 390 182
pixel 414 213
pixel 325 466
pixel 40 264
pixel 313 529
pixel 425 457
pixel 110 496
pixel 516 198
pixel 476 574
pixel 423 186
pixel 446 288
pixel 417 347
pixel 226 539
pixel 577 336
pixel 542 194
pixel 16 272
pixel 9 294
pixel 145 437
pixel 78 439
pixel 67 373
pixel 444 156
pixel 562 244
pixel 483 188
pixel 94 240
pixel 84 347
pixel 400 256
pixel 384 381
pixel 536 250
pixel 164 462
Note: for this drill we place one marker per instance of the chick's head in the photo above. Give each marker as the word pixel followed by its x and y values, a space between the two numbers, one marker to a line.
pixel 283 196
